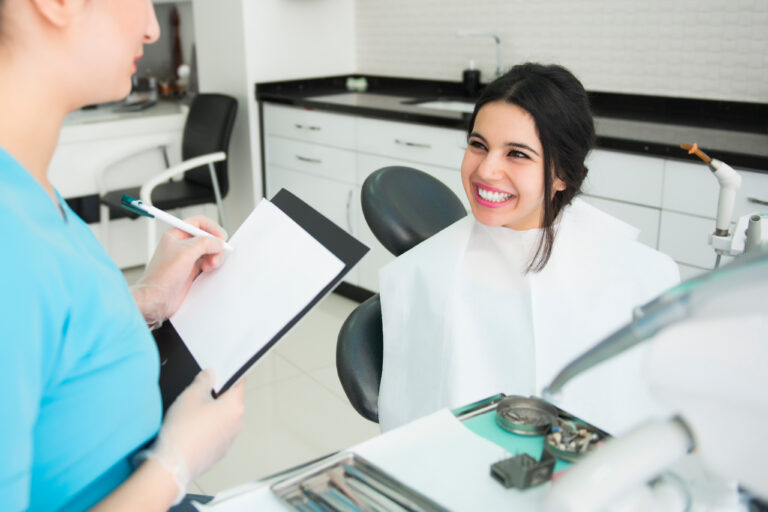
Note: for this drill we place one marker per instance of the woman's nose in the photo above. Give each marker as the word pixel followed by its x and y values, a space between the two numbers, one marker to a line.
pixel 490 167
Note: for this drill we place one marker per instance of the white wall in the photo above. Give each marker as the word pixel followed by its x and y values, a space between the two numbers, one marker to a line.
pixel 715 49
pixel 242 42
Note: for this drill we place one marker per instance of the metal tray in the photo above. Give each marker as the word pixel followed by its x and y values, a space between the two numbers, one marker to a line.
pixel 319 488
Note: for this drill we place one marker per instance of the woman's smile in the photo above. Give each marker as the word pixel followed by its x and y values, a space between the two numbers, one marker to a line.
pixel 491 197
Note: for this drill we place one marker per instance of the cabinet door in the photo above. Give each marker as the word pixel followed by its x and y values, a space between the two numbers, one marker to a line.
pixel 331 198
pixel 642 217
pixel 625 177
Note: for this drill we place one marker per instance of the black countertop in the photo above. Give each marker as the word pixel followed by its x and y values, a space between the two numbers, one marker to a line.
pixel 734 132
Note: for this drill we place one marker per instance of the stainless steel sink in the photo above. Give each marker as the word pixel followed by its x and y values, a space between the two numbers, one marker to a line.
pixel 452 105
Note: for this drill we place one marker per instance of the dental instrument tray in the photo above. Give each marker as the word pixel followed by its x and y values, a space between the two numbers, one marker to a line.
pixel 349 482
pixel 526 416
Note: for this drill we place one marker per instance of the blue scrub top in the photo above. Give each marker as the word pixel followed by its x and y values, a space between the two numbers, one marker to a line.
pixel 78 366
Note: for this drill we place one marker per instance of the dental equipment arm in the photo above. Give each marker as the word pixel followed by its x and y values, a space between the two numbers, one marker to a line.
pixel 730 182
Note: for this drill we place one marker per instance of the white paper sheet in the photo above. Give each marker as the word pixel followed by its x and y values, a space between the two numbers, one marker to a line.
pixel 276 270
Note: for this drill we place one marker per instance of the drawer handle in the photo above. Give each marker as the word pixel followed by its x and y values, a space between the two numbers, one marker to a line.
pixel 757 201
pixel 309 127
pixel 412 144
pixel 310 160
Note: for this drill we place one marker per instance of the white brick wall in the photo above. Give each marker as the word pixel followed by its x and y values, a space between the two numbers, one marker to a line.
pixel 715 49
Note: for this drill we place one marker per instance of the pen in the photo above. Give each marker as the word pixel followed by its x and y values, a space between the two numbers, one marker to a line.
pixel 147 210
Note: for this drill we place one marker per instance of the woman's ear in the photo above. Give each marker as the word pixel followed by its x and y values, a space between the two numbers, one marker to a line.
pixel 58 13
pixel 558 185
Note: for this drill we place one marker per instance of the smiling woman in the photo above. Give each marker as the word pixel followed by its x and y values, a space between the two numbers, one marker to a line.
pixel 501 300
pixel 539 118
pixel 78 365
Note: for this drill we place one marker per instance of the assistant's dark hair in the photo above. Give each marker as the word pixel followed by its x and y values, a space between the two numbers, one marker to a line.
pixel 559 106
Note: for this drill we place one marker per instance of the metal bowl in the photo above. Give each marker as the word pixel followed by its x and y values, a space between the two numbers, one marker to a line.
pixel 527 416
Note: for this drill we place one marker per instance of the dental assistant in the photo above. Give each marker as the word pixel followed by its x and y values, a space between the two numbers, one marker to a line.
pixel 78 365
pixel 504 298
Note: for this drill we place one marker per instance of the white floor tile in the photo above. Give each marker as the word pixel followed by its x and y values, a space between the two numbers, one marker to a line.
pixel 328 377
pixel 270 369
pixel 287 423
pixel 311 344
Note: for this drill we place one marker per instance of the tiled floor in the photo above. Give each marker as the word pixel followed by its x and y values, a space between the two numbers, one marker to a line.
pixel 296 410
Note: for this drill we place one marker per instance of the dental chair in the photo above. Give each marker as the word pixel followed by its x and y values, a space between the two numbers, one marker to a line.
pixel 403 207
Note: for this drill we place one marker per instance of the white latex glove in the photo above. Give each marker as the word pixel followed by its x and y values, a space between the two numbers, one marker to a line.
pixel 198 430
pixel 177 261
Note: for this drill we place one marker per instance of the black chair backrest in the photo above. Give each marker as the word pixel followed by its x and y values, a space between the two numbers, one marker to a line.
pixel 404 206
pixel 359 356
pixel 207 130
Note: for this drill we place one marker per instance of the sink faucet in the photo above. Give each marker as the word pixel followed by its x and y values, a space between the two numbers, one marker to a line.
pixel 489 33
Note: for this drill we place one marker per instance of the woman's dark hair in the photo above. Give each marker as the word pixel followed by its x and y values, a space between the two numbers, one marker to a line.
pixel 559 106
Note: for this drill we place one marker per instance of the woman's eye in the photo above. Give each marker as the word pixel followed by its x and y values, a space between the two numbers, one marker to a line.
pixel 477 144
pixel 517 154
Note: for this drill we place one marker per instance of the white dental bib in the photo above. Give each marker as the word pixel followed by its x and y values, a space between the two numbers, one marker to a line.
pixel 463 321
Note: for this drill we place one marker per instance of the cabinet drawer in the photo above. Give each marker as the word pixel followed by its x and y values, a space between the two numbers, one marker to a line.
pixel 642 217
pixel 325 161
pixel 625 177
pixel 686 239
pixel 309 125
pixel 412 142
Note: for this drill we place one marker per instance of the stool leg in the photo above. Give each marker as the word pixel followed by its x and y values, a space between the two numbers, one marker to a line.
pixel 217 195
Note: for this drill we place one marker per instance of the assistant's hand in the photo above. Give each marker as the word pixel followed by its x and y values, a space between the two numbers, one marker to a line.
pixel 198 430
pixel 177 261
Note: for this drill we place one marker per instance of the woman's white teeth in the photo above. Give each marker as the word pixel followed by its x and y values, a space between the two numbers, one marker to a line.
pixel 493 197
